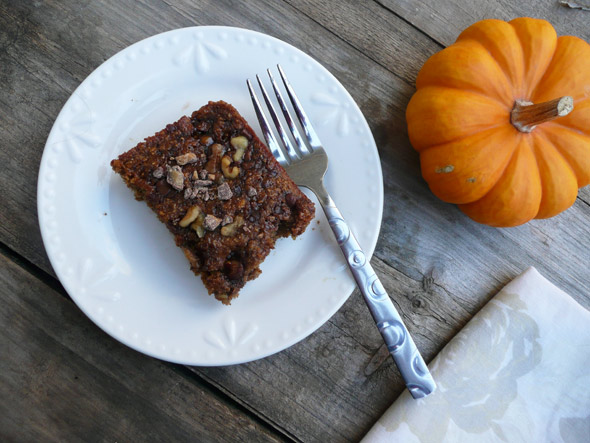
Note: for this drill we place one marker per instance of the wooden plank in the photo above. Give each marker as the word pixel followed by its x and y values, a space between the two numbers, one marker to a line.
pixel 61 378
pixel 438 266
pixel 444 20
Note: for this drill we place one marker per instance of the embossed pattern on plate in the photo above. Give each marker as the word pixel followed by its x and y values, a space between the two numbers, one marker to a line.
pixel 120 265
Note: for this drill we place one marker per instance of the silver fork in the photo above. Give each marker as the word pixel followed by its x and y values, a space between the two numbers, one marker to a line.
pixel 307 167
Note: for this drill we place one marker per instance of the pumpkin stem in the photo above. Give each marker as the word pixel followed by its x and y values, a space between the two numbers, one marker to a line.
pixel 525 116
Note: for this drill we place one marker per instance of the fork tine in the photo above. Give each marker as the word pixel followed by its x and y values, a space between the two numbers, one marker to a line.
pixel 312 137
pixel 291 153
pixel 274 146
pixel 294 131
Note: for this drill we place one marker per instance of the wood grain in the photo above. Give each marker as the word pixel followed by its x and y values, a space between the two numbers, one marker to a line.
pixel 61 378
pixel 438 266
pixel 444 20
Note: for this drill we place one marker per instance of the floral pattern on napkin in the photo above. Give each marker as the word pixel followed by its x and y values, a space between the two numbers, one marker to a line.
pixel 518 371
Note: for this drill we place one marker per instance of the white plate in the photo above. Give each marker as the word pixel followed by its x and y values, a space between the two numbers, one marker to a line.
pixel 119 263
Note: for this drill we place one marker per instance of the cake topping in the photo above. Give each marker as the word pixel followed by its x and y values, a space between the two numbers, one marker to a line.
pixel 185 159
pixel 231 229
pixel 202 174
pixel 227 171
pixel 214 158
pixel 227 219
pixel 175 177
pixel 190 216
pixel 240 143
pixel 251 192
pixel 189 193
pixel 224 192
pixel 211 222
pixel 158 172
pixel 203 183
pixel 207 140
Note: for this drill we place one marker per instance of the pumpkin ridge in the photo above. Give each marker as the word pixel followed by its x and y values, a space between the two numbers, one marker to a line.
pixel 481 94
pixel 466 111
pixel 542 135
pixel 498 36
pixel 548 188
pixel 499 125
pixel 574 53
pixel 569 128
pixel 509 212
pixel 516 146
pixel 508 80
pixel 531 147
pixel 529 91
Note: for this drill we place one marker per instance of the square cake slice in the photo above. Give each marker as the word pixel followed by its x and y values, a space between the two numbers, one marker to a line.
pixel 219 191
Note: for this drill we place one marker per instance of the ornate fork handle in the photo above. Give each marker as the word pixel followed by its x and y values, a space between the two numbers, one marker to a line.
pixel 397 338
pixel 307 168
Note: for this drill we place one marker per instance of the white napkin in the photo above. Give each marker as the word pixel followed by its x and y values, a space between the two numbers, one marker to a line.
pixel 519 371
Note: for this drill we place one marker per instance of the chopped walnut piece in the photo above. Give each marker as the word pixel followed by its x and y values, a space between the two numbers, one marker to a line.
pixel 227 172
pixel 224 192
pixel 198 229
pixel 251 192
pixel 197 225
pixel 232 228
pixel 240 143
pixel 158 172
pixel 211 222
pixel 175 177
pixel 203 174
pixel 184 159
pixel 190 216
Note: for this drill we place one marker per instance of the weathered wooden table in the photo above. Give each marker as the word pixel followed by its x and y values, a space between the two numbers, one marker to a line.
pixel 62 378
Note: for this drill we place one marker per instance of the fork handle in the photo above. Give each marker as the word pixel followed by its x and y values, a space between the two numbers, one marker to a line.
pixel 395 334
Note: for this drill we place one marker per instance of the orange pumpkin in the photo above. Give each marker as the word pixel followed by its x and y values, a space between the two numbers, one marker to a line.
pixel 488 121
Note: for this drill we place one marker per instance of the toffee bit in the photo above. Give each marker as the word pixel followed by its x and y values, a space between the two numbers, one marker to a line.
pixel 211 222
pixel 201 183
pixel 158 172
pixel 175 177
pixel 188 193
pixel 187 158
pixel 224 192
